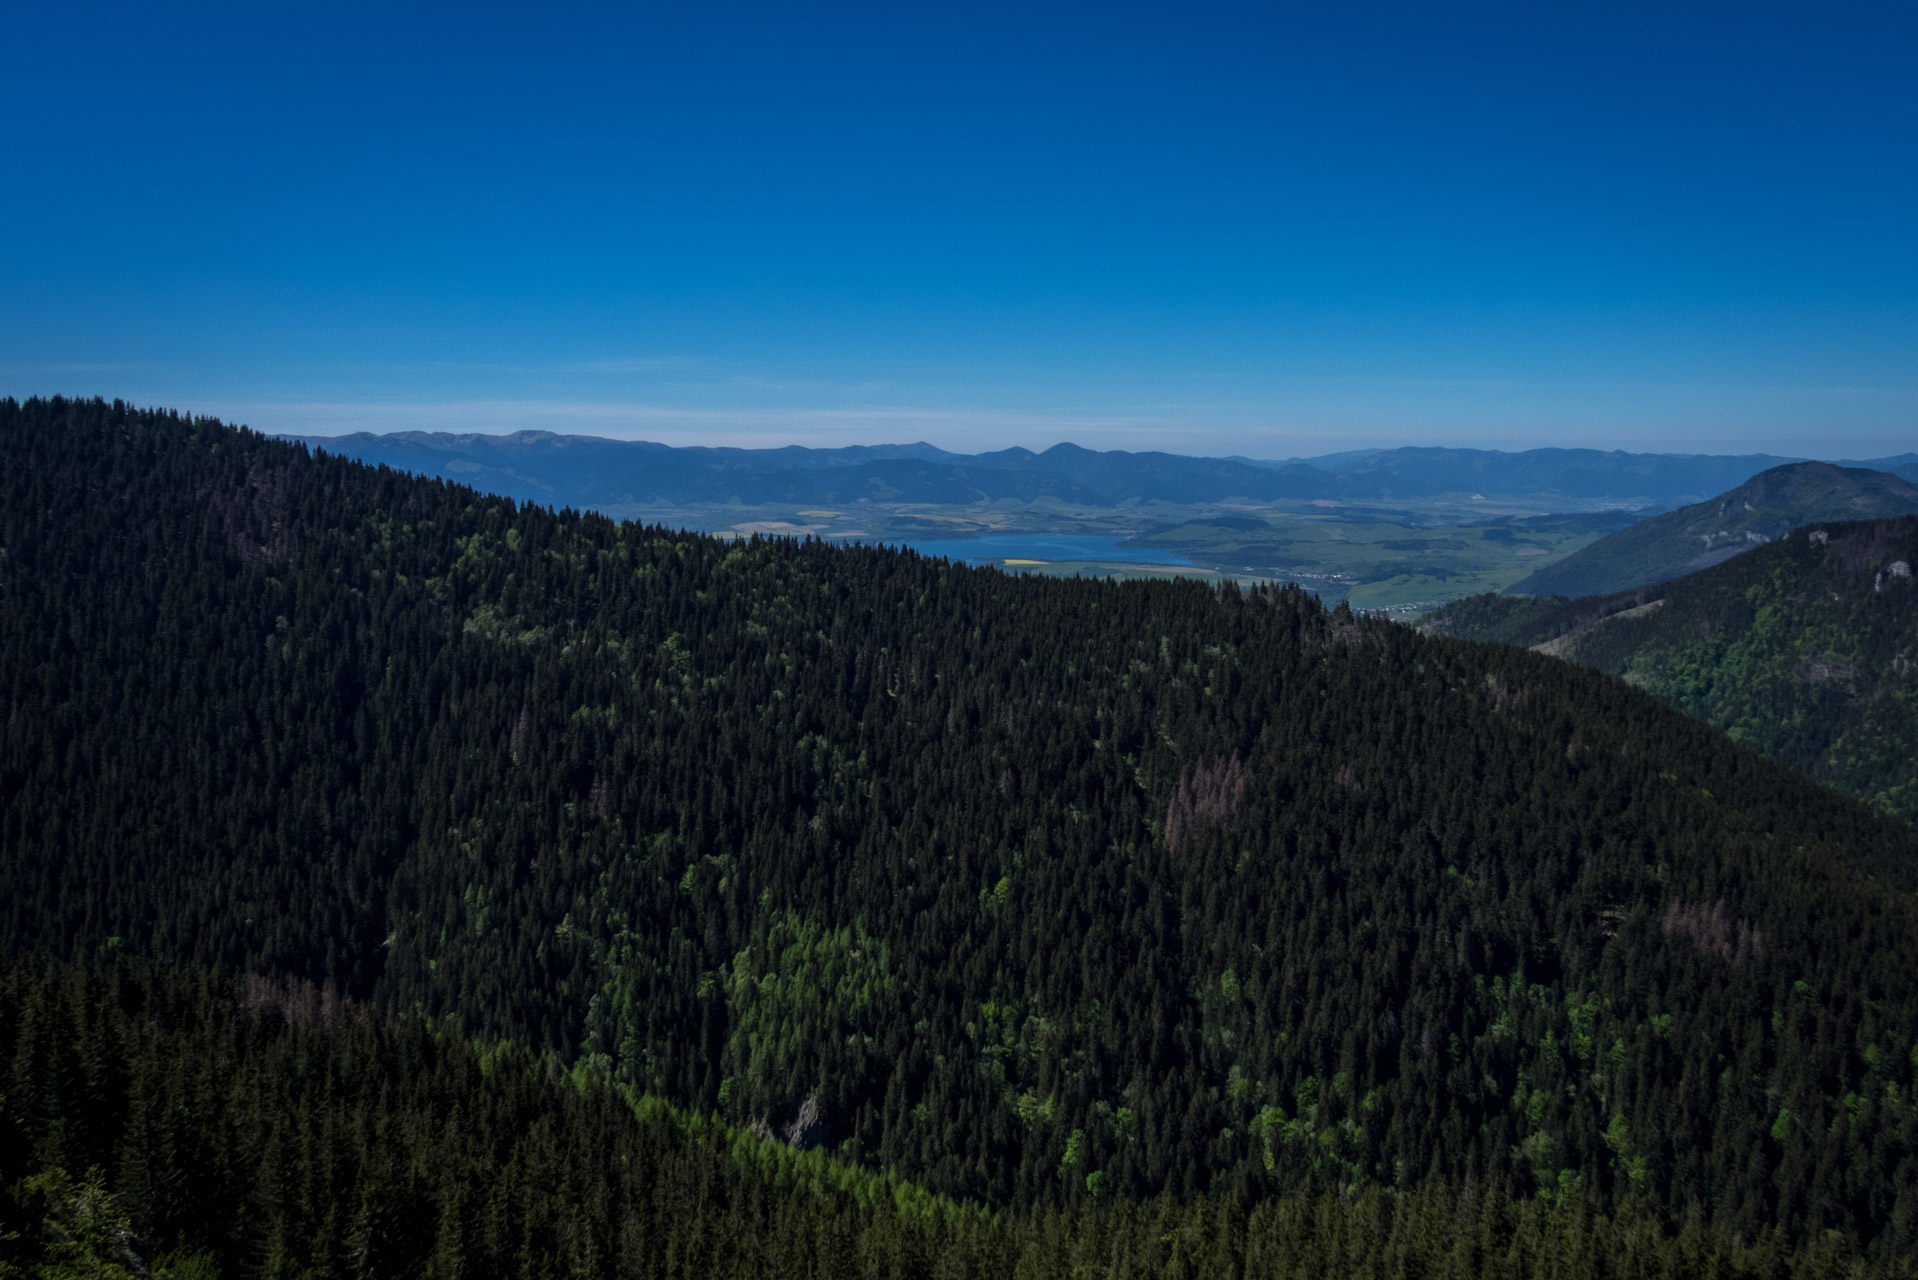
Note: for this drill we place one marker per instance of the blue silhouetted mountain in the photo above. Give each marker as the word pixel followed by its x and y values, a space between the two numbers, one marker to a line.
pixel 587 472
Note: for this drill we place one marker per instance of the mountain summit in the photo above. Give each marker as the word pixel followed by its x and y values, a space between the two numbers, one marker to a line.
pixel 1768 506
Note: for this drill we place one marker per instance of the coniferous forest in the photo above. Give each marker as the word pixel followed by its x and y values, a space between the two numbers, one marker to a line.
pixel 396 880
pixel 1803 649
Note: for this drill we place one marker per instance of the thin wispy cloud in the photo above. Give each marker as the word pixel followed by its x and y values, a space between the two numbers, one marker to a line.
pixel 632 364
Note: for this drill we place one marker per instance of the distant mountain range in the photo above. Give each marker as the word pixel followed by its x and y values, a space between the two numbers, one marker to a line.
pixel 1766 507
pixel 590 472
pixel 584 471
pixel 1804 649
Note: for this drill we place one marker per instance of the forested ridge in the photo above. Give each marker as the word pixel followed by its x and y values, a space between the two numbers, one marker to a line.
pixel 1805 649
pixel 1044 895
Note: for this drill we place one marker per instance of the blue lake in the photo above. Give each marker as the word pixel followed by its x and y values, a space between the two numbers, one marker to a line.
pixel 998 547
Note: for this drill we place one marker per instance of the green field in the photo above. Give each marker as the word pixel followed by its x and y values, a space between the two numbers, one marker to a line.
pixel 1402 558
pixel 1399 561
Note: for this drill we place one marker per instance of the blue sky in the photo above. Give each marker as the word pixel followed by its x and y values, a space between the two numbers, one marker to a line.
pixel 1273 230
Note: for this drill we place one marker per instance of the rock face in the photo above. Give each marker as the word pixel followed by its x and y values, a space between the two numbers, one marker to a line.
pixel 807 1129
pixel 1768 506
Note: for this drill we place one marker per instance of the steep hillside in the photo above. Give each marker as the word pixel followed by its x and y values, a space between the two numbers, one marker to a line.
pixel 1035 892
pixel 1684 541
pixel 1805 649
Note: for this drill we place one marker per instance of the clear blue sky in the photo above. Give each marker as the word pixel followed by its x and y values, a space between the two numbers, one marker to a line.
pixel 1271 230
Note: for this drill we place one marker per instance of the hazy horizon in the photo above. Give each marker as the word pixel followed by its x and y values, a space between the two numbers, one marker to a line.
pixel 1041 447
